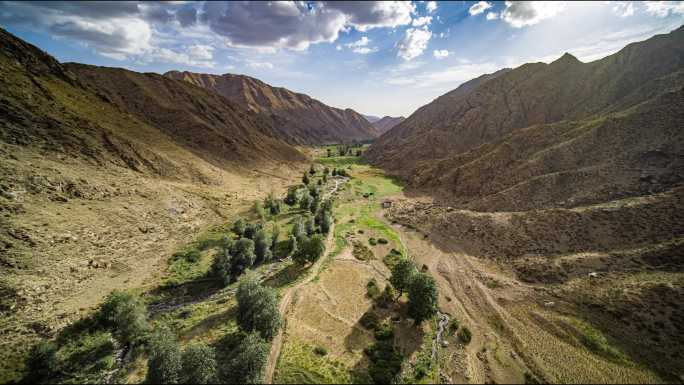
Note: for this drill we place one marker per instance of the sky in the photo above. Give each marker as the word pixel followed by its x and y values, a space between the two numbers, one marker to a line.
pixel 379 58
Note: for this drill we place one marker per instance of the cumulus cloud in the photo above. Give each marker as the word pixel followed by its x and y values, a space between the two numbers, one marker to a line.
pixel 492 16
pixel 623 8
pixel 440 54
pixel 664 8
pixel 479 7
pixel 413 44
pixel 525 13
pixel 431 6
pixel 421 21
pixel 361 46
pixel 365 15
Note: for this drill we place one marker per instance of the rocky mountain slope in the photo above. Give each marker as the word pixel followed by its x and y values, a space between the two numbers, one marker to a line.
pixel 558 134
pixel 297 117
pixel 103 174
pixel 386 123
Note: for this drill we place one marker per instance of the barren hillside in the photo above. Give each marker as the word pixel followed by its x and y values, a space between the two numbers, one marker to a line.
pixel 386 123
pixel 298 117
pixel 103 173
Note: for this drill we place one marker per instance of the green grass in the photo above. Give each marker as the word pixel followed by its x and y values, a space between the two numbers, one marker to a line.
pixel 300 364
pixel 597 343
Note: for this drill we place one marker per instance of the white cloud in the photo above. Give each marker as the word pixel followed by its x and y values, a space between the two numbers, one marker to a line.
pixel 479 7
pixel 623 8
pixel 431 6
pixel 448 78
pixel 361 46
pixel 421 21
pixel 201 52
pixel 259 65
pixel 664 8
pixel 440 54
pixel 413 44
pixel 492 16
pixel 166 55
pixel 525 13
pixel 339 47
pixel 366 15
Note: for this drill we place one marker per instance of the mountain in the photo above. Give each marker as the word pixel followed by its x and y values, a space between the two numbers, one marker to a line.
pixel 386 123
pixel 372 118
pixel 103 174
pixel 298 118
pixel 545 135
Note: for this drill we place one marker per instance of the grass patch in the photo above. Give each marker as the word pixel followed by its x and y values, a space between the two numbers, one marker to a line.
pixel 597 343
pixel 299 363
pixel 362 252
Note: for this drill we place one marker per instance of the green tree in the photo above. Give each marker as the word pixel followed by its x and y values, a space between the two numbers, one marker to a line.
pixel 305 201
pixel 423 296
pixel 305 179
pixel 310 250
pixel 198 364
pixel 251 230
pixel 247 363
pixel 334 172
pixel 315 204
pixel 242 254
pixel 326 171
pixel 310 226
pixel 126 315
pixel 292 198
pixel 299 229
pixel 239 226
pixel 164 364
pixel 257 308
pixel 221 267
pixel 402 275
pixel 312 170
pixel 275 234
pixel 262 246
pixel 324 219
pixel 291 245
pixel 329 152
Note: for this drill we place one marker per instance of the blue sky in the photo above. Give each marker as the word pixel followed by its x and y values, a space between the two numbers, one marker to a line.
pixel 380 58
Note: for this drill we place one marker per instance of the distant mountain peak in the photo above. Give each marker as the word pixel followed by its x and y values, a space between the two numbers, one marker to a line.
pixel 566 59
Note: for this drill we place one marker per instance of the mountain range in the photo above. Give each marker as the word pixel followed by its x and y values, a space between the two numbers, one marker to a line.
pixel 543 135
pixel 297 118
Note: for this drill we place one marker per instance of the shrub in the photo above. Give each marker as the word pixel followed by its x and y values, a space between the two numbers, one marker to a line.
pixel 383 241
pixel 423 297
pixel 199 364
pixel 305 179
pixel 164 364
pixel 384 332
pixel 258 209
pixel 387 296
pixel 372 289
pixel 221 267
pixel 370 320
pixel 292 197
pixel 464 335
pixel 305 201
pixel 321 351
pixel 239 226
pixel 190 255
pixel 385 362
pixel 372 241
pixel 251 229
pixel 453 326
pixel 257 308
pixel 126 315
pixel 41 362
pixel 309 250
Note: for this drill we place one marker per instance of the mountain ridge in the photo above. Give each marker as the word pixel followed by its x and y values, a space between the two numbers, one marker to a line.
pixel 298 117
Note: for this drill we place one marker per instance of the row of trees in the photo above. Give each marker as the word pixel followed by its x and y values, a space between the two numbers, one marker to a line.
pixel 258 320
pixel 255 246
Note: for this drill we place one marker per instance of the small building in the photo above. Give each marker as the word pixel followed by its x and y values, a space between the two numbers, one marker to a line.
pixel 386 204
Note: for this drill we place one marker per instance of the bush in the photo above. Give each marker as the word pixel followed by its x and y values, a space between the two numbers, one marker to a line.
pixel 372 289
pixel 383 241
pixel 372 241
pixel 387 296
pixel 464 335
pixel 191 255
pixel 41 362
pixel 257 308
pixel 370 320
pixel 309 250
pixel 199 364
pixel 251 229
pixel 126 315
pixel 262 247
pixel 239 226
pixel 221 267
pixel 164 364
pixel 292 196
pixel 321 351
pixel 385 362
pixel 453 326
pixel 384 332
pixel 305 201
